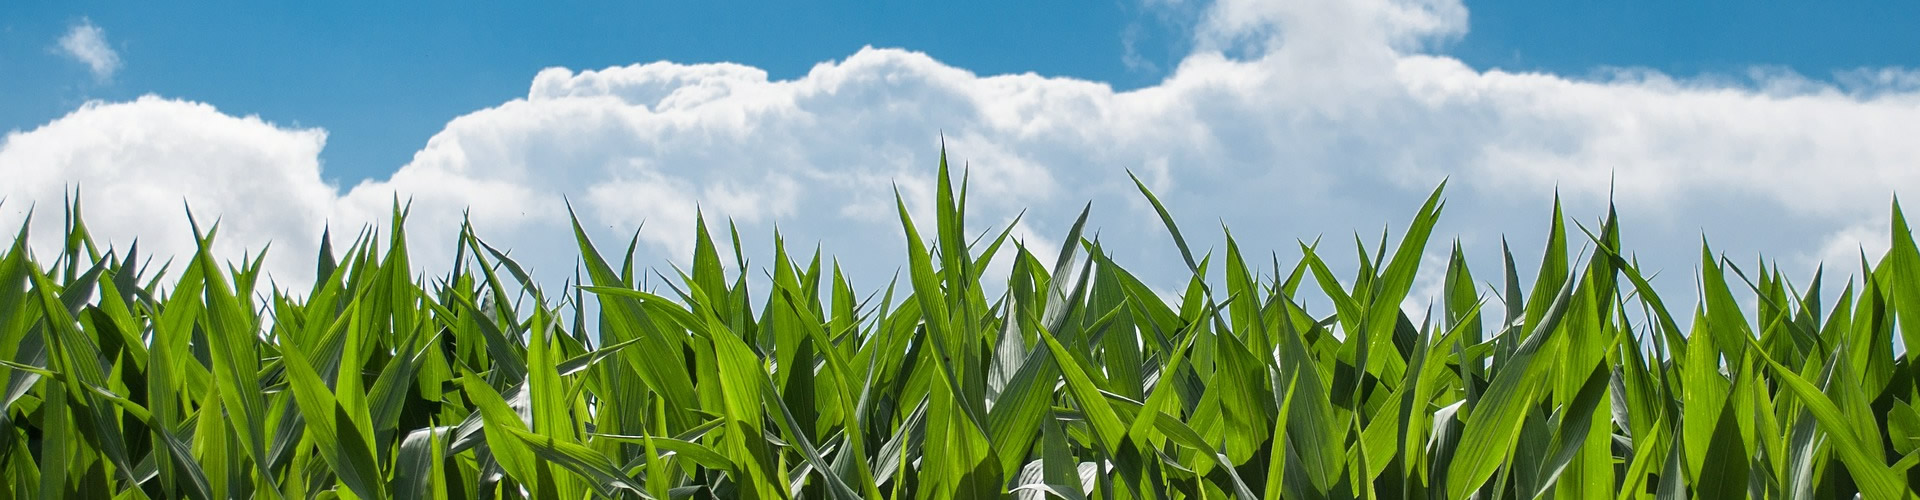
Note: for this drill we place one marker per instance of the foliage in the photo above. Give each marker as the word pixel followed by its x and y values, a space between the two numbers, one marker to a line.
pixel 1079 381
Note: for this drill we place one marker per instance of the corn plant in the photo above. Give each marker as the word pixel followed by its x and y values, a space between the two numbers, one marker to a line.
pixel 129 379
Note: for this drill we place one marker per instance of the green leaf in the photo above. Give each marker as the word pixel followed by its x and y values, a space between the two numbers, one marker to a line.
pixel 605 477
pixel 513 453
pixel 1495 422
pixel 1724 474
pixel 1904 257
pixel 344 441
pixel 1106 425
pixel 1873 476
pixel 230 330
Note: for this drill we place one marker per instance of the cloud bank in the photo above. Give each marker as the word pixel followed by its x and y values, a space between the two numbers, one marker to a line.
pixel 1289 121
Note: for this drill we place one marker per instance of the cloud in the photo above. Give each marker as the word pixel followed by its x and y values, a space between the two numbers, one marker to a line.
pixel 138 164
pixel 87 44
pixel 1288 121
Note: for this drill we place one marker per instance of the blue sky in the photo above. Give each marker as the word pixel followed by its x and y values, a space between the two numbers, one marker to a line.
pixel 1687 38
pixel 382 77
pixel 1782 127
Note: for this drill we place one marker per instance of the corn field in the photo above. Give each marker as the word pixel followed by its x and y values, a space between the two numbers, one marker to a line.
pixel 129 379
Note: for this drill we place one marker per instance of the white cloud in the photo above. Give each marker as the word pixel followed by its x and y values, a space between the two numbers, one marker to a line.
pixel 1844 248
pixel 87 43
pixel 1289 121
pixel 138 163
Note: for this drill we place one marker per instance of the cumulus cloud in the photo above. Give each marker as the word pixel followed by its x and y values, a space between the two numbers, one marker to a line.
pixel 1290 120
pixel 87 44
pixel 138 165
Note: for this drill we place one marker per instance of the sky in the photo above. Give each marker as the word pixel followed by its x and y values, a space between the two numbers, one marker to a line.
pixel 1783 128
